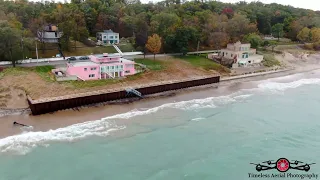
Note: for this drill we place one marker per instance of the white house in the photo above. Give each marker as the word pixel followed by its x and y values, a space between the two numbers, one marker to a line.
pixel 108 37
pixel 242 54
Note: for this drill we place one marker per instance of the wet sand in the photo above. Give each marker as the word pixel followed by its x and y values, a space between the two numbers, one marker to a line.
pixel 68 117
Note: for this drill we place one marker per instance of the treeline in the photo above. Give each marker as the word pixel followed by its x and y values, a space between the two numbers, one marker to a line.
pixel 181 25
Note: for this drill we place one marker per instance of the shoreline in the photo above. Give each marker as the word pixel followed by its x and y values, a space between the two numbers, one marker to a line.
pixel 99 111
pixel 223 80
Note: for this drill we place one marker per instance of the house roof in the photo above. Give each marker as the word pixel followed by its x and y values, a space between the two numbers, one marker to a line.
pixel 108 31
pixel 87 63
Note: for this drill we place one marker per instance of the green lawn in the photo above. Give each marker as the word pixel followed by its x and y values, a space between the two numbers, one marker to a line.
pixel 45 72
pixel 14 71
pixel 151 64
pixel 207 64
pixel 84 50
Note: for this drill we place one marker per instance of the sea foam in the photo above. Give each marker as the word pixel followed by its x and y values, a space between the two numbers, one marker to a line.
pixel 276 86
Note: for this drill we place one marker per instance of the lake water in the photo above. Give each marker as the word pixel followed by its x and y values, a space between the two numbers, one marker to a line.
pixel 211 138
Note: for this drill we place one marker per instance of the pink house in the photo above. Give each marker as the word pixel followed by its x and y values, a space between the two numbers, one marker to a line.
pixel 102 66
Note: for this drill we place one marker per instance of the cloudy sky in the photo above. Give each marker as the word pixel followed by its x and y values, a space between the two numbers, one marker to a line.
pixel 306 4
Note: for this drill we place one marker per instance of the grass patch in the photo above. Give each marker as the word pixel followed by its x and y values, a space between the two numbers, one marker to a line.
pixel 42 71
pixel 45 72
pixel 85 50
pixel 269 61
pixel 151 64
pixel 6 96
pixel 4 89
pixel 205 63
pixel 100 82
pixel 93 83
pixel 133 77
pixel 17 71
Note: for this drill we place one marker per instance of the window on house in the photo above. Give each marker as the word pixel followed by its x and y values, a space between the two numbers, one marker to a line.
pixel 127 71
pixel 121 66
pixel 231 55
pixel 112 67
pixel 104 37
pixel 93 69
pixel 85 69
pixel 116 37
pixel 91 75
pixel 111 37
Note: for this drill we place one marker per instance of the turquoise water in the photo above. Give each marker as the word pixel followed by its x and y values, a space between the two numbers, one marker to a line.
pixel 212 138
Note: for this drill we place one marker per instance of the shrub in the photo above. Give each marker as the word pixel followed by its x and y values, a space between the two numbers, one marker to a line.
pixel 308 46
pixel 316 46
pixel 269 60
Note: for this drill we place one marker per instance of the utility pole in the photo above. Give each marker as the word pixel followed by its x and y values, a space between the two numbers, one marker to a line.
pixel 198 47
pixel 22 48
pixel 37 49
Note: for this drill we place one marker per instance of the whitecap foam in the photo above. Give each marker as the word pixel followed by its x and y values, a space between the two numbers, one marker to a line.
pixel 23 143
pixel 276 86
pixel 197 119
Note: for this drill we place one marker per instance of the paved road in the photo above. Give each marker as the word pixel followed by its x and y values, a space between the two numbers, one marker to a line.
pixel 62 62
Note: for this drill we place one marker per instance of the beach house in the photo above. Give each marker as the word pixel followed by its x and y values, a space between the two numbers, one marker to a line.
pixel 241 54
pixel 108 37
pixel 102 66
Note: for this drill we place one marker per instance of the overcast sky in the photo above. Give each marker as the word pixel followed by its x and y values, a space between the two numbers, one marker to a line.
pixel 306 4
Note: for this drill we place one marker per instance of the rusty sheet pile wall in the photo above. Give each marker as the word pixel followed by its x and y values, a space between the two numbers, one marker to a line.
pixel 61 104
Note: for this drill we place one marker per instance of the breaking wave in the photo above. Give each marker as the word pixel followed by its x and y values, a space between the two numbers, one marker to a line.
pixel 25 142
pixel 276 86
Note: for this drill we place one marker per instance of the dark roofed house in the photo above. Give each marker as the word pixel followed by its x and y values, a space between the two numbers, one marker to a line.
pixel 49 34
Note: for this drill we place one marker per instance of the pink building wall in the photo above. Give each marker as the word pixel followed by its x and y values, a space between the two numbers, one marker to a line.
pixel 111 68
pixel 84 72
pixel 129 69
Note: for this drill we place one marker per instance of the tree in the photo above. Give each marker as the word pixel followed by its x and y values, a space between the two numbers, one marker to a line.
pixel 218 40
pixel 304 35
pixel 315 33
pixel 182 39
pixel 277 30
pixel 10 42
pixel 164 23
pixel 154 44
pixel 239 26
pixel 273 44
pixel 228 11
pixel 254 39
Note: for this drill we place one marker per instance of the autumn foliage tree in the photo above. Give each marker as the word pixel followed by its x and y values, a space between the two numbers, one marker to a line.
pixel 154 44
